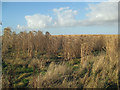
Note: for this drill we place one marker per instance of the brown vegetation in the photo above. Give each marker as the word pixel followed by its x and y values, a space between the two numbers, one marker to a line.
pixel 68 61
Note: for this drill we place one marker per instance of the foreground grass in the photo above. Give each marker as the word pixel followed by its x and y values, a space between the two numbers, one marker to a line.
pixel 96 72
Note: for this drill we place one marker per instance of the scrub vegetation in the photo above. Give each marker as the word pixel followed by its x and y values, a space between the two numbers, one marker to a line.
pixel 36 60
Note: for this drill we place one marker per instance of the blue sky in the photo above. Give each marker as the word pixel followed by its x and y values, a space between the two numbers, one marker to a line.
pixel 16 11
pixel 60 18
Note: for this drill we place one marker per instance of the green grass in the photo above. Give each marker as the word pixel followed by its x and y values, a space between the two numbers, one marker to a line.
pixel 19 73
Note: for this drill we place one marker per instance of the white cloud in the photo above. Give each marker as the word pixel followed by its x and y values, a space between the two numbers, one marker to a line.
pixel 38 21
pixel 21 27
pixel 65 17
pixel 104 13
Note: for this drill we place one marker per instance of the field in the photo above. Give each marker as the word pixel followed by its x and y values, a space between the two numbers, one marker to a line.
pixel 35 60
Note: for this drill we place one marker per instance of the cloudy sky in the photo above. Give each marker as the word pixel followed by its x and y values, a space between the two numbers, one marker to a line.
pixel 61 17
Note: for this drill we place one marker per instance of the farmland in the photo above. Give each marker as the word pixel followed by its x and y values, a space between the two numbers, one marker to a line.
pixel 36 60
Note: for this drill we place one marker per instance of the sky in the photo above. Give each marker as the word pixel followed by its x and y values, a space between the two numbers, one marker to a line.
pixel 61 18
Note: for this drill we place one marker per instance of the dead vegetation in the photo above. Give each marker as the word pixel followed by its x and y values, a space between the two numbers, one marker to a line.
pixel 61 61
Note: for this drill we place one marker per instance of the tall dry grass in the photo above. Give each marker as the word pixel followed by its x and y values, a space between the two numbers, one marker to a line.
pixel 54 75
pixel 99 71
pixel 98 56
